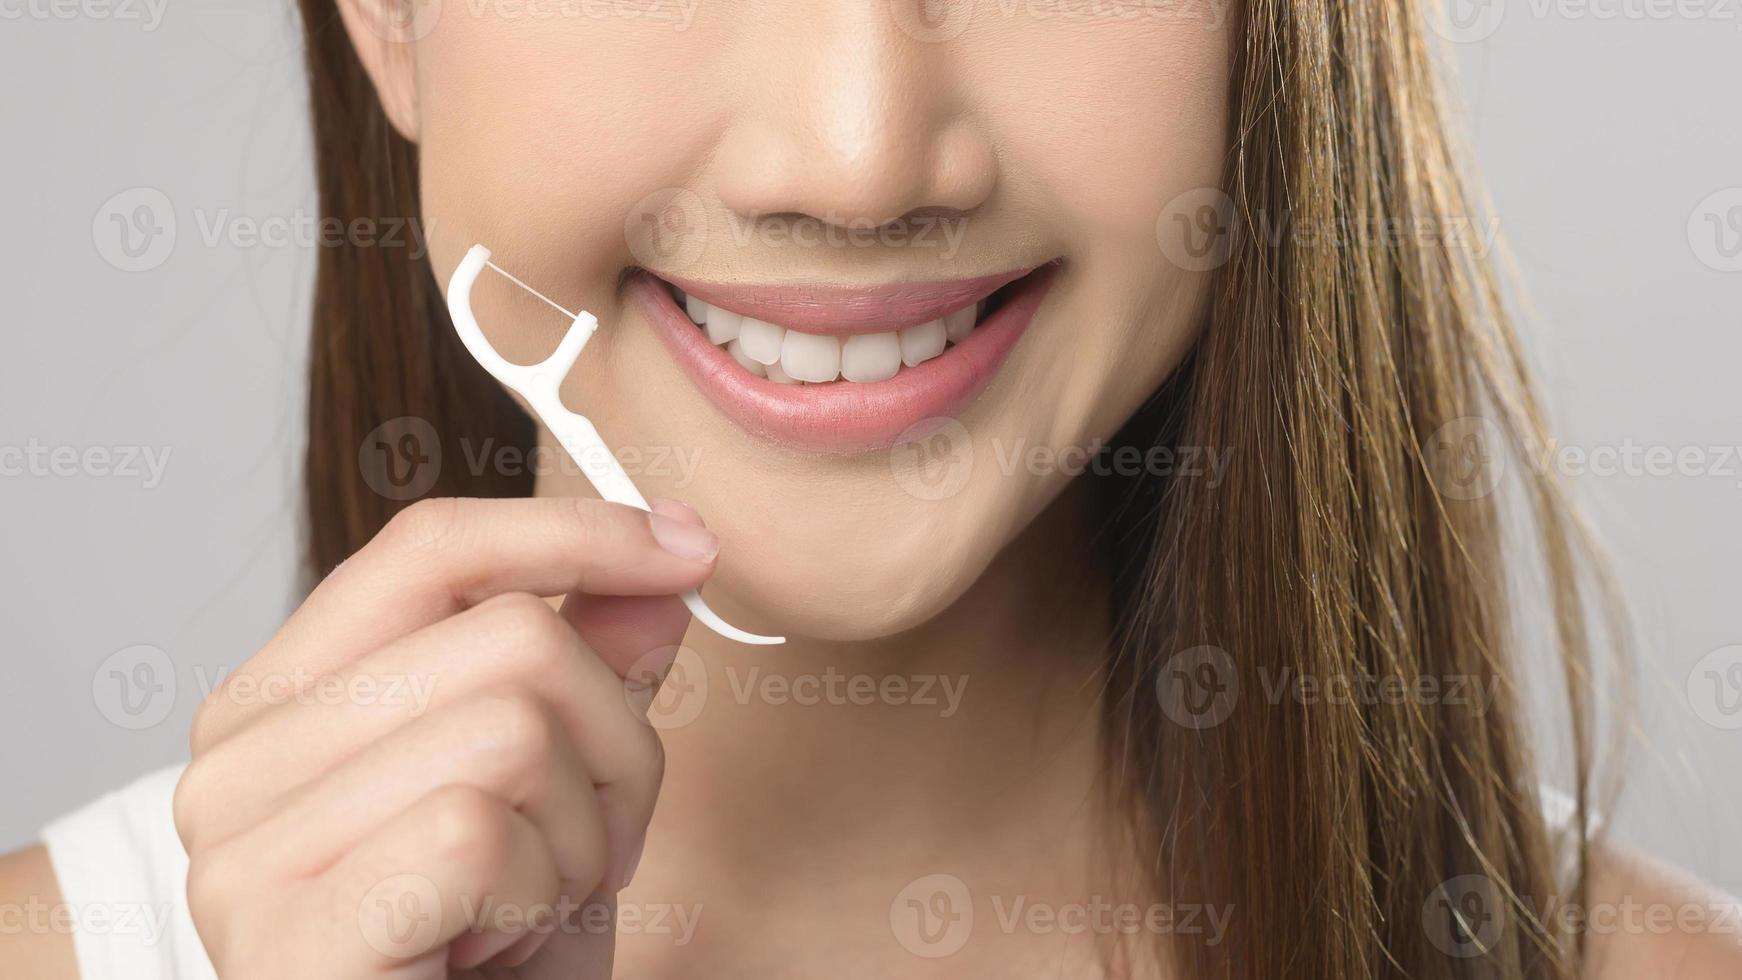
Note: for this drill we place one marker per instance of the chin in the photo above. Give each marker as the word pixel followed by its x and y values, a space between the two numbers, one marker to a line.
pixel 844 585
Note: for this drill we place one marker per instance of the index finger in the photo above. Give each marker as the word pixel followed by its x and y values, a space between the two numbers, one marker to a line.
pixel 439 557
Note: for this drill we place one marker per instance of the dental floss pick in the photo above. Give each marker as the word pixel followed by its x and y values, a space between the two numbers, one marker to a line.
pixel 539 383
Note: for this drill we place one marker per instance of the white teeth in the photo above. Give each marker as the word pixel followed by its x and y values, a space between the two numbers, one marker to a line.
pixel 810 357
pixel 761 340
pixel 768 350
pixel 922 343
pixel 958 325
pixel 869 357
pixel 723 325
pixel 736 349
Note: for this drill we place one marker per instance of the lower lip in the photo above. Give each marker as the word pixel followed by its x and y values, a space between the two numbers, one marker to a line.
pixel 844 417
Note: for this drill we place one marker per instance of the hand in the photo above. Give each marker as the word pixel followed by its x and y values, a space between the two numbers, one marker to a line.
pixel 429 760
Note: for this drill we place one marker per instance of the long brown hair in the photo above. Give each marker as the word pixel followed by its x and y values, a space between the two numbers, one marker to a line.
pixel 1348 835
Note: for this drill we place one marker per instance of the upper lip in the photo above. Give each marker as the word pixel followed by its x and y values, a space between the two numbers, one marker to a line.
pixel 846 310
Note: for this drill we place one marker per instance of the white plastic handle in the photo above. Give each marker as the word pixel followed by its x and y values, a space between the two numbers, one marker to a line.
pixel 540 385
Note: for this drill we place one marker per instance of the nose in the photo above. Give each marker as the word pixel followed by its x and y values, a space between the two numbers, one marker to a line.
pixel 848 120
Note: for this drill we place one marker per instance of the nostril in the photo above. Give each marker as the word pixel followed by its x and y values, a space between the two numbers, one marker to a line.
pixel 877 159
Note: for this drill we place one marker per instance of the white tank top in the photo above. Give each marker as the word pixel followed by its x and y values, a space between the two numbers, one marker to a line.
pixel 123 874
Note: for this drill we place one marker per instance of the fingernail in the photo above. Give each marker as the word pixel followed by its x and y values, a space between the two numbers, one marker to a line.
pixel 634 862
pixel 688 541
pixel 677 510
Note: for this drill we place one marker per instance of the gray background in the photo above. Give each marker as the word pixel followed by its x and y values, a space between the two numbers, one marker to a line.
pixel 1603 138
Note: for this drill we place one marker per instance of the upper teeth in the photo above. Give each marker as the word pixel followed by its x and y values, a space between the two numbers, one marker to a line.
pixel 790 356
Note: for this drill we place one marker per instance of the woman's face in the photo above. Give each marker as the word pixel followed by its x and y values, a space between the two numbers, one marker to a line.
pixel 834 178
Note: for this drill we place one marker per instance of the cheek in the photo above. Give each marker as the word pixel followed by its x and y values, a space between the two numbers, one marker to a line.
pixel 546 138
pixel 1113 118
pixel 1118 125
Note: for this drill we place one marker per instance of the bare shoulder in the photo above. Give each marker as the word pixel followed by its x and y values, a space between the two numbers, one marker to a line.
pixel 39 946
pixel 1649 920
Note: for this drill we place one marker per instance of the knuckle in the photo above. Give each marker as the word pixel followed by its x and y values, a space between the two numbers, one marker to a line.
pixel 202 732
pixel 426 526
pixel 187 803
pixel 652 770
pixel 211 721
pixel 522 731
pixel 528 620
pixel 467 823
pixel 652 755
pixel 209 895
pixel 594 520
pixel 638 771
pixel 533 635
pixel 653 776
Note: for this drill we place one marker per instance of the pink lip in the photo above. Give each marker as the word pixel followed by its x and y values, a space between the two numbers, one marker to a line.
pixel 846 310
pixel 845 417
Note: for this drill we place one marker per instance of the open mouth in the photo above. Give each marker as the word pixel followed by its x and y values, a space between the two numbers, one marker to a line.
pixel 842 369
